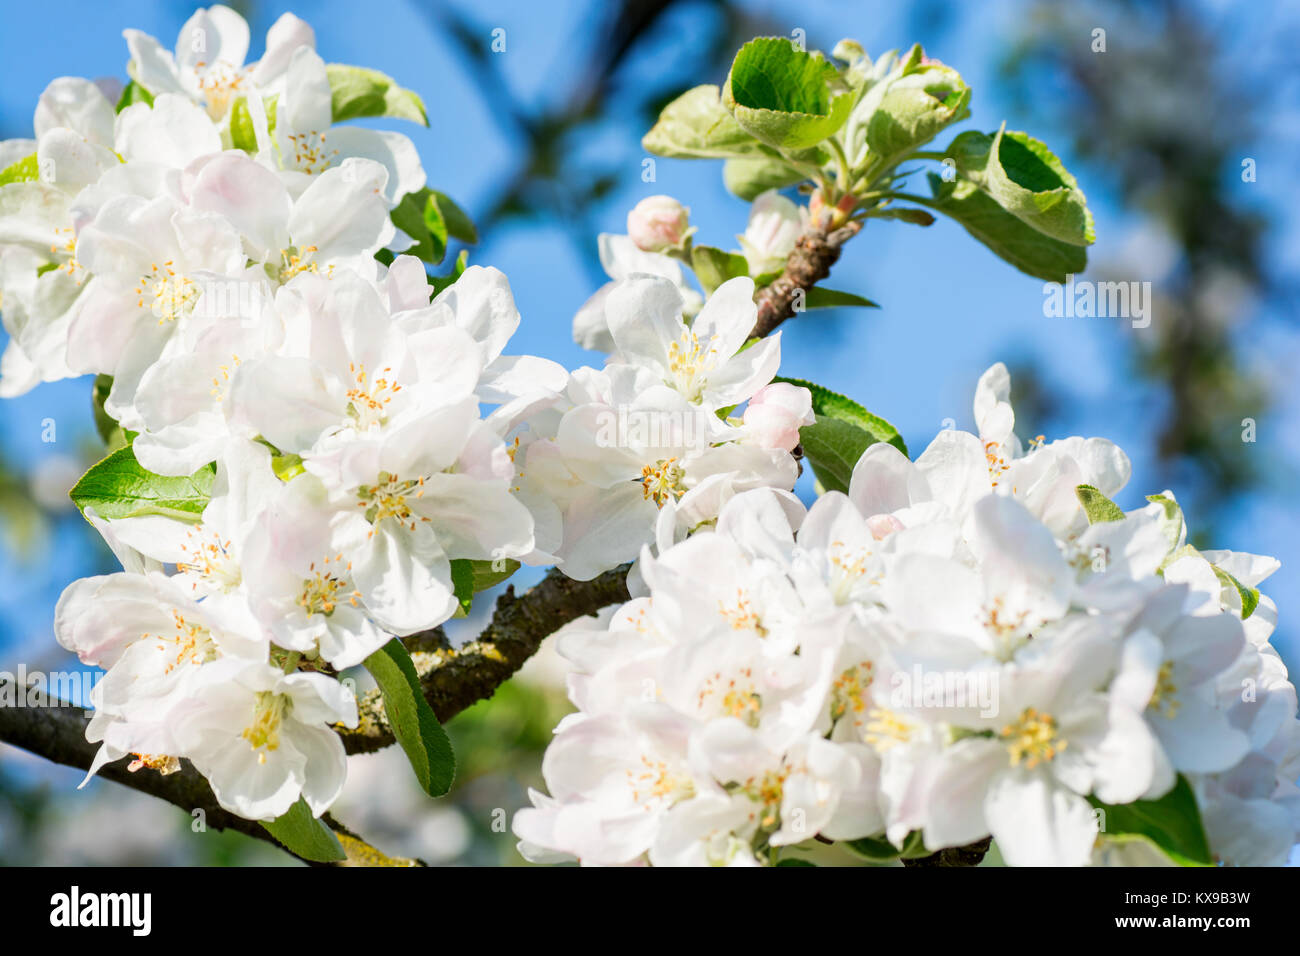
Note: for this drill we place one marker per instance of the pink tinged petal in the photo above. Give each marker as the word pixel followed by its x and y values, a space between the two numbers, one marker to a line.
pixel 286 35
pixel 250 196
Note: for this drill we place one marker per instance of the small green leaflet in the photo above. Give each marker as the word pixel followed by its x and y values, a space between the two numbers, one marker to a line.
pixel 1249 596
pixel 241 127
pixel 469 577
pixel 305 835
pixel 133 93
pixel 412 719
pixel 26 170
pixel 748 177
pixel 715 266
pixel 819 297
pixel 1097 506
pixel 358 91
pixel 431 218
pixel 842 432
pixel 880 850
pixel 1172 824
pixel 119 487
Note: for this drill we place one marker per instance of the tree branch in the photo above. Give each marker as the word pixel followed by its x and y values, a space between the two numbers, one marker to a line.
pixel 455 678
pixel 809 263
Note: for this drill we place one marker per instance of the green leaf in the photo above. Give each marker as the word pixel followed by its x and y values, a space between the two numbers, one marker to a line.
pixel 1097 506
pixel 26 170
pixel 242 135
pixel 914 109
pixel 287 466
pixel 1172 824
pixel 842 432
pixel 917 217
pixel 133 93
pixel 305 835
pixel 1011 239
pixel 1026 179
pixel 469 577
pixel 819 297
pixel 358 91
pixel 1249 596
pixel 409 216
pixel 697 126
pixel 455 222
pixel 794 861
pixel 119 487
pixel 715 266
pixel 749 177
pixel 875 849
pixel 786 97
pixel 412 719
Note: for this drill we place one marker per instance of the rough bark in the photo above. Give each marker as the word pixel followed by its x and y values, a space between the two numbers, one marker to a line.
pixel 814 253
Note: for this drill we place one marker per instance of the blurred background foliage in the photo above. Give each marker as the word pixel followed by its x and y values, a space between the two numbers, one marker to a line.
pixel 540 140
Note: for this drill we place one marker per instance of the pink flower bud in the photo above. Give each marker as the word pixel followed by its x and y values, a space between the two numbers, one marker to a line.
pixel 658 223
pixel 776 413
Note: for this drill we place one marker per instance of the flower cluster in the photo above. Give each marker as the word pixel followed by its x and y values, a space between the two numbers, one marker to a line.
pixel 975 643
pixel 235 299
pixel 301 445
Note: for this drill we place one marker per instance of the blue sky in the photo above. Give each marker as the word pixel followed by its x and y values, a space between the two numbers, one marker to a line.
pixel 950 308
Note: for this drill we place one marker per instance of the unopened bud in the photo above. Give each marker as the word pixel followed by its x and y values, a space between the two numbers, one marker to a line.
pixel 658 223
